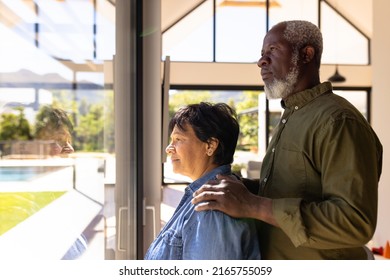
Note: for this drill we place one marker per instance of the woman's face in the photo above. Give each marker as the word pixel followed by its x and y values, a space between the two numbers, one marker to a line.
pixel 189 156
pixel 62 144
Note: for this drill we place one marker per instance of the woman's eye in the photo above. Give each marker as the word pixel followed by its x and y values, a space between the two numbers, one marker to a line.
pixel 62 143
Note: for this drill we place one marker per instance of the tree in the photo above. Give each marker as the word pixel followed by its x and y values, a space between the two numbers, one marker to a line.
pixel 15 126
pixel 109 125
pixel 186 97
pixel 245 104
pixel 90 129
pixel 247 111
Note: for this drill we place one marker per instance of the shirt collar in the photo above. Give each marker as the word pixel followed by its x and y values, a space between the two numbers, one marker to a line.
pixel 300 99
pixel 224 169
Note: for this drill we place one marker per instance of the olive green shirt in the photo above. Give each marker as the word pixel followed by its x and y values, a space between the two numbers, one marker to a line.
pixel 321 169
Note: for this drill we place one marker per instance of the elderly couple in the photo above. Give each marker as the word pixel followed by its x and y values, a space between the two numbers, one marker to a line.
pixel 318 190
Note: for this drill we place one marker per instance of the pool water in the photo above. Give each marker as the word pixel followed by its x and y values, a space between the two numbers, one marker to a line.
pixel 23 173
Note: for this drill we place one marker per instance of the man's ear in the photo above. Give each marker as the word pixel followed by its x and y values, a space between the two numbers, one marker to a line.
pixel 307 54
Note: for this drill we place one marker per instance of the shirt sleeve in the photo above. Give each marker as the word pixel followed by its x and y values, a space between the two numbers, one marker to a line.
pixel 349 156
pixel 217 236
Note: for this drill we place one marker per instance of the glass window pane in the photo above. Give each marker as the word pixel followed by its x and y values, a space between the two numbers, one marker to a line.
pixel 357 97
pixel 246 104
pixel 66 30
pixel 239 40
pixel 290 10
pixel 105 30
pixel 52 165
pixel 343 44
pixel 191 39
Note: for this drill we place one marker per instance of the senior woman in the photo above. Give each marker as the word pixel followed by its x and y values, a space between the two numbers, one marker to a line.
pixel 203 141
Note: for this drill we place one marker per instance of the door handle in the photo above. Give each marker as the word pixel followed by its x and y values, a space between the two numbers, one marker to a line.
pixel 121 209
pixel 153 209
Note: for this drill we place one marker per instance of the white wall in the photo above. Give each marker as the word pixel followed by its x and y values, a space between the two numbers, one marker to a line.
pixel 380 110
pixel 248 74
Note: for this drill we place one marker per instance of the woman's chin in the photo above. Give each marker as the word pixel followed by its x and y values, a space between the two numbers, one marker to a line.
pixel 179 172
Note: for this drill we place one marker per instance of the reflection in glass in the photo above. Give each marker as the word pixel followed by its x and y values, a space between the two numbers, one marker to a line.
pixel 51 55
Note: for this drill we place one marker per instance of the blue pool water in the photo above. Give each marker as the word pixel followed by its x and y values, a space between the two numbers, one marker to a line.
pixel 22 173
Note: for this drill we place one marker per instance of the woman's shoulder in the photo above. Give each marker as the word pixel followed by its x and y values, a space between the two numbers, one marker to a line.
pixel 217 217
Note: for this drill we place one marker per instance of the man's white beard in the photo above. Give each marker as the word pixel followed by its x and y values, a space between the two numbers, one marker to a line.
pixel 281 88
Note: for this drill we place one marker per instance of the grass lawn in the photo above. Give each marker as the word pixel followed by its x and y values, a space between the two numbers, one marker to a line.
pixel 18 206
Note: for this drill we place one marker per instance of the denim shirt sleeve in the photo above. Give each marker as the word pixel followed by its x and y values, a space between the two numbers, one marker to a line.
pixel 214 235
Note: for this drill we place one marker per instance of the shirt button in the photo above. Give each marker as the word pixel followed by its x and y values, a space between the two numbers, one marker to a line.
pixel 284 121
pixel 296 108
pixel 273 150
pixel 265 180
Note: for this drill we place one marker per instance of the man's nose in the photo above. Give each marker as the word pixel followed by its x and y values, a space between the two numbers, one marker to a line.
pixel 263 61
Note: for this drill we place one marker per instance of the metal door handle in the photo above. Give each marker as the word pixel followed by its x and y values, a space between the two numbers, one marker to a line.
pixel 118 245
pixel 153 209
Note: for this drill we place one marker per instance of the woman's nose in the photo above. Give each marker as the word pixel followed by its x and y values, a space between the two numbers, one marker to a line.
pixel 67 148
pixel 169 149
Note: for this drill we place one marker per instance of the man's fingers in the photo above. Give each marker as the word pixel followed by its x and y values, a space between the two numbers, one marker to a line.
pixel 211 186
pixel 212 183
pixel 207 196
pixel 208 205
pixel 223 177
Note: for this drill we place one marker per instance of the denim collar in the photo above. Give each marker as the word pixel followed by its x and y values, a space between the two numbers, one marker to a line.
pixel 223 169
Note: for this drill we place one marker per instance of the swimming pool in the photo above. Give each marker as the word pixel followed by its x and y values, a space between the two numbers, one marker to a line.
pixel 23 173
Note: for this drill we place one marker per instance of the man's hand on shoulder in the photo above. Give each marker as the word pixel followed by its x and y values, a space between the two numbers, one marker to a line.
pixel 225 194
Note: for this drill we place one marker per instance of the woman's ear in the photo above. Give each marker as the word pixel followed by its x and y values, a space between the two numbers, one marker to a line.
pixel 212 145
pixel 307 54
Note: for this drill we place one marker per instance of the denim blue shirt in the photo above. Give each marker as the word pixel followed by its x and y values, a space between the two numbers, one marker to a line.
pixel 191 235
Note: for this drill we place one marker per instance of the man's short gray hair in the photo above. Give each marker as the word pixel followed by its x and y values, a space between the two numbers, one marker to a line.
pixel 300 33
